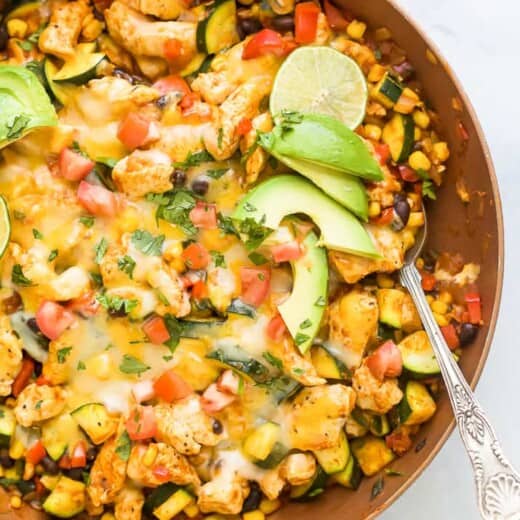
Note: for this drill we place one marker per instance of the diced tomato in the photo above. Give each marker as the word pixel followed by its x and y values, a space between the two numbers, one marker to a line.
pixel 255 284
pixel 204 215
pixel 161 472
pixel 78 457
pixel 334 16
pixel 172 83
pixel 23 377
pixel 213 400
pixel 196 256
pixel 306 22
pixel 399 441
pixel 173 49
pixel 244 126
pixel 276 328
pixel 52 319
pixel 474 307
pixel 141 424
pixel 156 330
pixel 189 100
pixel 41 380
pixel 450 336
pixel 97 200
pixel 230 382
pixel 86 305
pixel 265 42
pixel 285 252
pixel 171 387
pixel 385 218
pixel 73 166
pixel 64 462
pixel 386 361
pixel 199 291
pixel 407 173
pixel 35 453
pixel 382 153
pixel 133 130
pixel 143 391
pixel 428 281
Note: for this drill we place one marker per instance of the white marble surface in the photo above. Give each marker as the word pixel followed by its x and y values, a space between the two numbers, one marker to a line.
pixel 481 41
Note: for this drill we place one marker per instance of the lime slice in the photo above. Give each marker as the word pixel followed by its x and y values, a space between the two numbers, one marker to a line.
pixel 5 226
pixel 321 80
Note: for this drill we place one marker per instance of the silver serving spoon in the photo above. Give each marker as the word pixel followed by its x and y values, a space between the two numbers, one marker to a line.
pixel 498 484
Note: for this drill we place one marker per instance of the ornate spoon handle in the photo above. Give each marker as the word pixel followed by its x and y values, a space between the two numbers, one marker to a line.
pixel 498 484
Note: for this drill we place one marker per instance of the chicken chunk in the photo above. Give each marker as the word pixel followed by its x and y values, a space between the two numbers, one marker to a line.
pixel 179 469
pixel 33 262
pixel 70 284
pixel 224 494
pixel 107 475
pixel 142 172
pixel 299 367
pixel 109 268
pixel 298 468
pixel 391 245
pixel 185 426
pixel 60 37
pixel 353 323
pixel 374 395
pixel 383 191
pixel 142 36
pixel 55 372
pixel 272 483
pixel 152 68
pixel 163 9
pixel 410 319
pixel 129 504
pixel 38 403
pixel 11 354
pixel 257 159
pixel 323 33
pixel 166 280
pixel 317 415
pixel 179 140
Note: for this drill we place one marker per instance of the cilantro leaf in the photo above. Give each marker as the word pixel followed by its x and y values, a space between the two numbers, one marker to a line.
pixel 63 353
pixel 115 304
pixel 255 231
pixel 145 242
pixel 87 221
pixel 257 258
pixel 53 254
pixel 216 174
pixel 18 278
pixel 16 128
pixel 37 234
pixel 81 365
pixel 300 338
pixel 131 365
pixel 194 159
pixel 100 249
pixel 218 258
pixel 127 265
pixel 273 360
pixel 225 224
pixel 124 446
pixel 175 329
pixel 174 207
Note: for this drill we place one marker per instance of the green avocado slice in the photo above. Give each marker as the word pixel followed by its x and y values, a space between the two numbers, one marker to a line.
pixel 24 104
pixel 284 195
pixel 303 311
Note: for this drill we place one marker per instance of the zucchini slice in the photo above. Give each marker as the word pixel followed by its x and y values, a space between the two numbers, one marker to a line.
pixel 158 496
pixel 59 433
pixel 388 91
pixel 95 421
pixel 259 444
pixel 372 454
pixel 327 365
pixel 67 499
pixel 351 476
pixel 82 67
pixel 200 63
pixel 7 425
pixel 218 30
pixel 390 302
pixel 238 359
pixel 418 355
pixel 63 93
pixel 417 405
pixel 277 454
pixel 173 505
pixel 310 490
pixel 398 134
pixel 334 460
pixel 377 424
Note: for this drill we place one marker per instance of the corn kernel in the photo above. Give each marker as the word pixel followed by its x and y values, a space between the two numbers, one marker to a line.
pixel 416 219
pixel 419 161
pixel 430 299
pixel 101 365
pixel 16 502
pixel 150 455
pixel 441 320
pixel 419 263
pixel 16 450
pixel 376 73
pixel 373 132
pixel 383 33
pixel 414 199
pixel 446 297
pixel 108 516
pixel 416 134
pixel 421 119
pixel 356 29
pixel 374 209
pixel 191 511
pixel 384 281
pixel 62 136
pixel 269 506
pixel 441 152
pixel 439 307
pixel 254 515
pixel 28 471
pixel 16 28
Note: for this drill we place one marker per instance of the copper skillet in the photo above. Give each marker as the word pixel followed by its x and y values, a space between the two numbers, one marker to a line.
pixel 474 230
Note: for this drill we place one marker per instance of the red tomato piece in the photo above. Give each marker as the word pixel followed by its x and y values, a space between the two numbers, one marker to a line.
pixel 78 457
pixel 428 281
pixel 97 200
pixel 474 307
pixel 230 382
pixel 334 16
pixel 35 453
pixel 86 305
pixel 450 336
pixel 386 361
pixel 385 218
pixel 189 100
pixel 382 153
pixel 407 174
pixel 172 83
pixel 73 166
pixel 286 252
pixel 143 391
pixel 52 319
pixel 171 387
pixel 213 400
pixel 264 42
pixel 156 330
pixel 133 130
pixel 255 284
pixel 141 424
pixel 244 126
pixel 41 380
pixel 196 256
pixel 199 291
pixel 23 377
pixel 204 215
pixel 306 22
pixel 64 462
pixel 276 328
pixel 161 472
pixel 173 49
pixel 399 441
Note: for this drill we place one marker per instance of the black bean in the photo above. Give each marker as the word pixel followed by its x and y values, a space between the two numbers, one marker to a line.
pixel 253 499
pixel 91 454
pixel 50 466
pixel 5 6
pixel 162 102
pixel 467 333
pixel 31 323
pixel 4 36
pixel 12 304
pixel 5 460
pixel 38 367
pixel 121 313
pixel 283 23
pixel 200 186
pixel 217 427
pixel 247 26
pixel 75 473
pixel 402 208
pixel 178 178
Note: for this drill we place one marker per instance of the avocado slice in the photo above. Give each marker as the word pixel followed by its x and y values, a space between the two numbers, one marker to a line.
pixel 303 311
pixel 285 195
pixel 24 104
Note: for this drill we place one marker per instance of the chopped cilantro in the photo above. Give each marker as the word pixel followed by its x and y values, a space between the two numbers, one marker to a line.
pixel 174 207
pixel 18 215
pixel 273 360
pixel 16 128
pixel 305 324
pixel 428 188
pixel 87 221
pixel 194 159
pixel 18 278
pixel 216 174
pixel 218 258
pixel 225 224
pixel 38 405
pixel 377 488
pixel 127 265
pixel 255 231
pixel 300 338
pixel 100 250
pixel 168 358
pixel 320 302
pixel 63 353
pixel 174 327
pixel 25 45
pixel 37 234
pixel 145 242
pixel 131 365
pixel 124 446
pixel 257 258
pixel 298 371
pixel 81 366
pixel 53 254
pixel 115 304
pixel 220 136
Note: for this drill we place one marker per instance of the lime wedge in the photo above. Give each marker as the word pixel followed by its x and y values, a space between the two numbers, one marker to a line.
pixel 321 80
pixel 5 226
